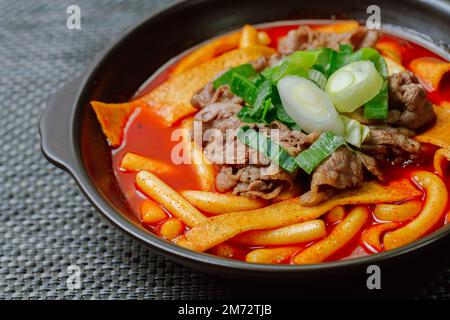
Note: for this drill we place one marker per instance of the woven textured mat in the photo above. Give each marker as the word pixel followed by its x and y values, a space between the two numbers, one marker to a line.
pixel 45 223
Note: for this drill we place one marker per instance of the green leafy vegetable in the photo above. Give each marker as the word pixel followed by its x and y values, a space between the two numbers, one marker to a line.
pixel 330 60
pixel 324 61
pixel 378 107
pixel 266 108
pixel 296 64
pixel 257 80
pixel 284 118
pixel 280 112
pixel 341 57
pixel 286 68
pixel 264 92
pixel 266 146
pixel 310 158
pixel 269 72
pixel 258 111
pixel 268 114
pixel 243 88
pixel 245 70
pixel 247 114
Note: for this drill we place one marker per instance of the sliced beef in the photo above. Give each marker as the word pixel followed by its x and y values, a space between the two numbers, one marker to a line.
pixel 340 171
pixel 398 137
pixel 343 169
pixel 221 116
pixel 208 95
pixel 293 141
pixel 233 152
pixel 253 181
pixel 305 38
pixel 393 145
pixel 410 107
pixel 264 62
pixel 226 179
pixel 371 164
pixel 219 127
pixel 203 97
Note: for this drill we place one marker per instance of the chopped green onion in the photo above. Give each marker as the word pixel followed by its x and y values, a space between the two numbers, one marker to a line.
pixel 304 59
pixel 355 132
pixel 295 64
pixel 329 60
pixel 345 50
pixel 309 106
pixel 353 85
pixel 245 70
pixel 288 68
pixel 340 59
pixel 371 55
pixel 324 60
pixel 310 158
pixel 284 69
pixel 243 88
pixel 263 93
pixel 269 72
pixel 266 146
pixel 268 110
pixel 318 78
pixel 377 108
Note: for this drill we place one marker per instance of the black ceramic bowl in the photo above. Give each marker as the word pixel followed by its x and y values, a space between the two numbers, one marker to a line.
pixel 71 136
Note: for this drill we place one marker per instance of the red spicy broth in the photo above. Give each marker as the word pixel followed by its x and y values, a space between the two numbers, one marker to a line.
pixel 145 135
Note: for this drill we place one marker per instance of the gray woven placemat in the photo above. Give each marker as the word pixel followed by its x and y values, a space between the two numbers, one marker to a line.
pixel 45 223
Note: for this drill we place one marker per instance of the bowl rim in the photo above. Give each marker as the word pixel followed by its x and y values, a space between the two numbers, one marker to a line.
pixel 77 170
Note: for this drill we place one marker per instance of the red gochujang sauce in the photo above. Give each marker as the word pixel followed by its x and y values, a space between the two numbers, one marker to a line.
pixel 147 136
